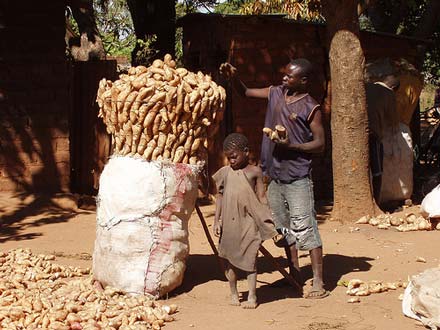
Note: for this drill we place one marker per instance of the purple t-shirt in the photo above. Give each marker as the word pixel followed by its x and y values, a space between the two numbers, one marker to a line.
pixel 295 117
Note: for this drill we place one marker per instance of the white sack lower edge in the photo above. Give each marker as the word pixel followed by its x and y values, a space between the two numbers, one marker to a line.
pixel 142 225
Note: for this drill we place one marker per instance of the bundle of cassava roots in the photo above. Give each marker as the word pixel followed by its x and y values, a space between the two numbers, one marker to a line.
pixel 36 293
pixel 162 112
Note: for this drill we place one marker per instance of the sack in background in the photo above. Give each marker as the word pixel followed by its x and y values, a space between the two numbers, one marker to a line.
pixel 397 177
pixel 430 206
pixel 421 300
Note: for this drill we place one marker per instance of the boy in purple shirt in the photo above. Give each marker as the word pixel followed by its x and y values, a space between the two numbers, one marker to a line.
pixel 287 162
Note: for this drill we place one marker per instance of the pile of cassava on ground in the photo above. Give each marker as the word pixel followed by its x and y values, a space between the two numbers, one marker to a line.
pixel 410 222
pixel 36 293
pixel 162 112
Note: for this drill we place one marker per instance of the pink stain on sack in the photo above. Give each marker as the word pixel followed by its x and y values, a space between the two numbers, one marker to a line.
pixel 164 233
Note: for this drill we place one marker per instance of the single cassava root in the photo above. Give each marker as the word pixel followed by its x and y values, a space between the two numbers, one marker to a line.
pixel 177 109
pixel 38 294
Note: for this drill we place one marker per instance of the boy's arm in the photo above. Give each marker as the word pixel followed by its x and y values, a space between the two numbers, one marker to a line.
pixel 230 72
pixel 259 186
pixel 218 211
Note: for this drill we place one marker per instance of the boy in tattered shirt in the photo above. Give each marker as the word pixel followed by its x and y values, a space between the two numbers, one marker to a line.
pixel 242 218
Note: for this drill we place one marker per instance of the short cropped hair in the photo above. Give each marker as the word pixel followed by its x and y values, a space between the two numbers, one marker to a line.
pixel 235 141
pixel 304 64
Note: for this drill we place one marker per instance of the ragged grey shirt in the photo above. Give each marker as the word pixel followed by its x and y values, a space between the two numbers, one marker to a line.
pixel 295 116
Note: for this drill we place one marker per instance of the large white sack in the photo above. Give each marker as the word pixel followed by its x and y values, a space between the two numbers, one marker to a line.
pixel 142 225
pixel 421 300
pixel 397 177
pixel 430 206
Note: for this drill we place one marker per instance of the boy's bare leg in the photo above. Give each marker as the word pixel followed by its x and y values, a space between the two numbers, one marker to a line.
pixel 293 261
pixel 232 279
pixel 251 302
pixel 318 283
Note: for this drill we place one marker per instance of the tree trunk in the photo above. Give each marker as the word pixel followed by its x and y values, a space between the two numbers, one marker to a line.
pixel 349 122
pixel 153 18
pixel 89 44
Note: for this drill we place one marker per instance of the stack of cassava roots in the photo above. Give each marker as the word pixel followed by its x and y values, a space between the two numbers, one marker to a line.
pixel 162 112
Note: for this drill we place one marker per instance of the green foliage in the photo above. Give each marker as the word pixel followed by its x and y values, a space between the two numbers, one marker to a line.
pixel 117 32
pixel 307 10
pixel 230 7
pixel 146 52
pixel 72 29
pixel 409 22
pixel 115 27
pixel 431 66
pixel 427 97
pixel 181 10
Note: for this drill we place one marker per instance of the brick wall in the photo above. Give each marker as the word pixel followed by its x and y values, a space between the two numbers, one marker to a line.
pixel 34 97
pixel 260 46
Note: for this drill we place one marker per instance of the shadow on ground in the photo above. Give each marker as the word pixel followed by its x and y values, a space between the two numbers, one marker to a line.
pixel 336 266
pixel 54 208
pixel 203 268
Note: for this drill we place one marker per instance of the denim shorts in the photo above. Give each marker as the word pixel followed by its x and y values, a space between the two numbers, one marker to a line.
pixel 293 209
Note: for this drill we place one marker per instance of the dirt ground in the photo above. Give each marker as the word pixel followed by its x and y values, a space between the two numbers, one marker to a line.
pixel 55 225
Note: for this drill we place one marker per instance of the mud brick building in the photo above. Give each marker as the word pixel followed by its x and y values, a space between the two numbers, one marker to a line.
pixel 50 140
pixel 260 46
pixel 34 97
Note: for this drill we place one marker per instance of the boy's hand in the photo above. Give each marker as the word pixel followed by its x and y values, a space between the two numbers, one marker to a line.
pixel 227 70
pixel 282 142
pixel 217 228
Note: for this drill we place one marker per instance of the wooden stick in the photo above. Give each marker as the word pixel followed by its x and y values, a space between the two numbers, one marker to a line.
pixel 209 237
pixel 205 228
pixel 286 275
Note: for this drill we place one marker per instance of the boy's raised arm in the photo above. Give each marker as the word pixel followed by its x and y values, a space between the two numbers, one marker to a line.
pixel 229 72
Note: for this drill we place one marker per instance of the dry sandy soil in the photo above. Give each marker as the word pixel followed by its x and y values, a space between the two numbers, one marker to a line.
pixel 55 225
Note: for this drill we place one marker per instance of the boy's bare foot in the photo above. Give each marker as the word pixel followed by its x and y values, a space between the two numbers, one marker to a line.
pixel 317 291
pixel 234 300
pixel 250 304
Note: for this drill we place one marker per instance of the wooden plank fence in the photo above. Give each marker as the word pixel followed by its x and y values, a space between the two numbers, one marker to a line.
pixel 90 143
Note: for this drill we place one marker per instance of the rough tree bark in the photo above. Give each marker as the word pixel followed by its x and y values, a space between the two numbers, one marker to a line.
pixel 349 122
pixel 154 18
pixel 89 45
